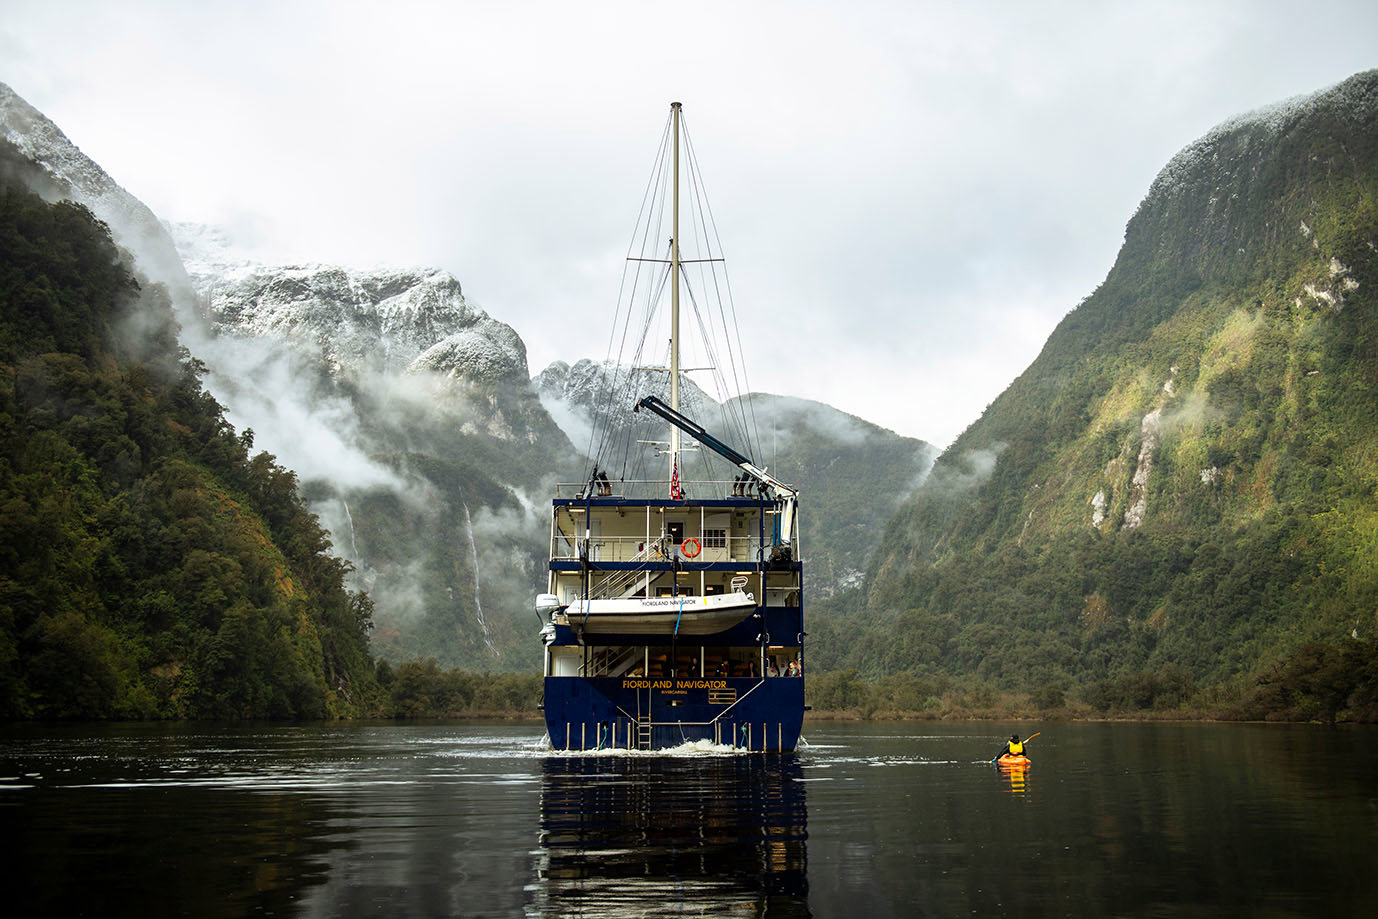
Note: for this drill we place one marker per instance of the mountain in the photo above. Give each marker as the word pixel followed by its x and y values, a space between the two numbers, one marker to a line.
pixel 408 418
pixel 406 413
pixel 578 397
pixel 149 567
pixel 360 322
pixel 55 168
pixel 1178 494
pixel 426 437
pixel 852 475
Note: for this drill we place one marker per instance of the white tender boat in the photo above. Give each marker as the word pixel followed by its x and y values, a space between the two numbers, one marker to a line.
pixel 682 615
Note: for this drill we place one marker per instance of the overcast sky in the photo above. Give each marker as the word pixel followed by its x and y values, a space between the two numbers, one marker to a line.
pixel 910 195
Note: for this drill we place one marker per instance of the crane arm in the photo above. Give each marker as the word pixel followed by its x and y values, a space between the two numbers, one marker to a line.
pixel 778 489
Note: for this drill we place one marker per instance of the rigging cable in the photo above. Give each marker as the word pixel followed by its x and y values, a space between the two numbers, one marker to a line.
pixel 651 212
pixel 742 386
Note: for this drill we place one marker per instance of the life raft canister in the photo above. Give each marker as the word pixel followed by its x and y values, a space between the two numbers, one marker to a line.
pixel 691 547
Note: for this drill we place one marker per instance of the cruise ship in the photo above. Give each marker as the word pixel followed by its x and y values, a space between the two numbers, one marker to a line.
pixel 674 609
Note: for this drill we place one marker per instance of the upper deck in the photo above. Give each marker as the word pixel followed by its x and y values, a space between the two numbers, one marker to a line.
pixel 717 524
pixel 657 491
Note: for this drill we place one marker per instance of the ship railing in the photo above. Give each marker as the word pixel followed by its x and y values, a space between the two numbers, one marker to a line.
pixel 651 489
pixel 741 549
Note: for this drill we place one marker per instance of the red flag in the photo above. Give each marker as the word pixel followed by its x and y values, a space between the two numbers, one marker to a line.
pixel 675 493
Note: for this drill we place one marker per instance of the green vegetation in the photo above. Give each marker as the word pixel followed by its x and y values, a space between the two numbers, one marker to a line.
pixel 1173 512
pixel 149 567
pixel 1175 508
pixel 1317 682
pixel 421 689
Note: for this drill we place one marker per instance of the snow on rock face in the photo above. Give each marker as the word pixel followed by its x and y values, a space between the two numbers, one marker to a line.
pixel 589 394
pixel 79 179
pixel 387 320
pixel 488 352
pixel 587 384
pixel 1348 100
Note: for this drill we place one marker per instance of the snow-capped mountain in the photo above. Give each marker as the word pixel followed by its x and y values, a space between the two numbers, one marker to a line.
pixel 411 420
pixel 586 393
pixel 422 428
pixel 73 175
pixel 356 321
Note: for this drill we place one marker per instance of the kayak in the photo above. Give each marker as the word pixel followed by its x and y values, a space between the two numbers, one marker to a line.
pixel 1017 761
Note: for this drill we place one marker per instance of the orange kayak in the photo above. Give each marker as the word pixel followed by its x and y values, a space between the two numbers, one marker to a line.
pixel 1019 761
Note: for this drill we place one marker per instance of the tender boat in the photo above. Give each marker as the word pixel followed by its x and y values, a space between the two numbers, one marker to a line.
pixel 674 606
pixel 683 615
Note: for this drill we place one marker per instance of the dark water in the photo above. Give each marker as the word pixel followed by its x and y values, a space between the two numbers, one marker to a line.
pixel 869 820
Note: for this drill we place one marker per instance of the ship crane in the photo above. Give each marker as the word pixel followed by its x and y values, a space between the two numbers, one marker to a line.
pixel 784 495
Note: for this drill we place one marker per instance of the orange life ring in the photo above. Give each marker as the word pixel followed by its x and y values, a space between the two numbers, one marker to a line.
pixel 684 547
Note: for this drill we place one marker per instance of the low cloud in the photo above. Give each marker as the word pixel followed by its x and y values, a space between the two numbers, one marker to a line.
pixel 967 472
pixel 317 435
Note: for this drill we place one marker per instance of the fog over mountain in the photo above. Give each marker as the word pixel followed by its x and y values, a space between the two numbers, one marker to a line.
pixel 852 475
pixel 1179 493
pixel 406 412
pixel 410 416
pixel 420 439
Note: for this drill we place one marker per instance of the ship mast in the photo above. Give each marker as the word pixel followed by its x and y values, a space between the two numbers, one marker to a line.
pixel 674 307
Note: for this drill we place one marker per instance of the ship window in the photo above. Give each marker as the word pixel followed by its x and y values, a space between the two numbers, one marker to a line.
pixel 714 538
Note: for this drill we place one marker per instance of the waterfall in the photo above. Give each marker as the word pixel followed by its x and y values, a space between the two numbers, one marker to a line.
pixel 353 546
pixel 478 604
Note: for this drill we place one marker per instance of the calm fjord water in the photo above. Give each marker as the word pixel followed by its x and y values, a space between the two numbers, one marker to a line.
pixel 868 820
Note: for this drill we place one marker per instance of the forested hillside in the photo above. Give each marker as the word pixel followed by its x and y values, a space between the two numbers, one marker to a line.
pixel 149 566
pixel 1179 498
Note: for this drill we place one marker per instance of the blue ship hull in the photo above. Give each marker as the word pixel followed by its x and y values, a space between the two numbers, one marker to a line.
pixel 657 713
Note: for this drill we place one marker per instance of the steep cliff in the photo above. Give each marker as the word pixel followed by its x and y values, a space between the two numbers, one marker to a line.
pixel 1184 480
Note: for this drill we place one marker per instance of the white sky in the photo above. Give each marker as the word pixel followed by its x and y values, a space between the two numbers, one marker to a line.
pixel 910 195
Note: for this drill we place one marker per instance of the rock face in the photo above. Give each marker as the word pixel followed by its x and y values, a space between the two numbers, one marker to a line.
pixel 1194 447
pixel 73 175
pixel 407 413
pixel 427 394
pixel 356 322
pixel 593 394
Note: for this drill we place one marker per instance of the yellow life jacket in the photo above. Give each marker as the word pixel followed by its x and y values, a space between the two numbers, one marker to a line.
pixel 1016 749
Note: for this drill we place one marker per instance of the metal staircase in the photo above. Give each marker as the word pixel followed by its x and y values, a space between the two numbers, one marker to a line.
pixel 625 584
pixel 613 663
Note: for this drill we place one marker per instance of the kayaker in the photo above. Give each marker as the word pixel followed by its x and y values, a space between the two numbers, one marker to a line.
pixel 1014 747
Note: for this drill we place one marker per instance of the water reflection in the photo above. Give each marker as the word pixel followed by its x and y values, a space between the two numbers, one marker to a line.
pixel 481 820
pixel 133 820
pixel 651 836
pixel 1016 777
